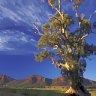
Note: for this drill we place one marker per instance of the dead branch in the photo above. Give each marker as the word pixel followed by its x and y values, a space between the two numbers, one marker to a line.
pixel 92 15
pixel 38 32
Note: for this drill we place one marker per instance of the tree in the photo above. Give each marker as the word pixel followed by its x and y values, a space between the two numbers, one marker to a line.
pixel 70 48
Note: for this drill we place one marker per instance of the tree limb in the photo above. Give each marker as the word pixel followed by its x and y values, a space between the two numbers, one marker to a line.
pixel 59 3
pixel 92 15
pixel 38 32
pixel 57 10
pixel 84 36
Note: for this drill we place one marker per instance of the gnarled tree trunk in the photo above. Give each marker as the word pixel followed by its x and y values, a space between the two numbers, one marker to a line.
pixel 77 92
pixel 76 86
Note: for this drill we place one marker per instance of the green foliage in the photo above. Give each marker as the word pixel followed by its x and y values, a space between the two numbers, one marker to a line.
pixel 53 39
pixel 67 20
pixel 56 21
pixel 86 27
pixel 69 47
pixel 43 40
pixel 42 55
pixel 51 2
pixel 45 27
pixel 48 40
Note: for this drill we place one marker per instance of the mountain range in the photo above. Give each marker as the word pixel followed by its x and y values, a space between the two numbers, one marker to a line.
pixel 18 41
pixel 36 81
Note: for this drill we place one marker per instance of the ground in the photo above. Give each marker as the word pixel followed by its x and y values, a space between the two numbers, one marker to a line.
pixel 37 92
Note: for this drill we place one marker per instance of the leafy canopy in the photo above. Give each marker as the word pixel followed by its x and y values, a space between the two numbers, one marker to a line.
pixel 65 48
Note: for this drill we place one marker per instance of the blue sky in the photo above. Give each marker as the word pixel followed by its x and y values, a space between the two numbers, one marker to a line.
pixel 18 41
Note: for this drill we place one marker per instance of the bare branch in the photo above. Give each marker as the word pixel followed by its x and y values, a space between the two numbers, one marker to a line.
pixel 59 4
pixel 55 18
pixel 53 6
pixel 59 64
pixel 38 32
pixel 92 15
pixel 84 36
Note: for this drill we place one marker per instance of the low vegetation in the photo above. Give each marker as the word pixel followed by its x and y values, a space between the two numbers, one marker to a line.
pixel 37 92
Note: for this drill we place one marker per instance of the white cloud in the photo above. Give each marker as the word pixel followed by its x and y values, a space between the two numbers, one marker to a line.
pixel 21 12
pixel 3 42
pixel 5 12
pixel 24 11
pixel 7 37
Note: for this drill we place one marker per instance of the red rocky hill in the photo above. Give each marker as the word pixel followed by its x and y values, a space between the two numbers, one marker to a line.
pixel 4 79
pixel 39 81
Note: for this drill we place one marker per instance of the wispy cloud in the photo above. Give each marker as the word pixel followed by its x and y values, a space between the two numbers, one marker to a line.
pixel 26 11
pixel 17 41
pixel 16 17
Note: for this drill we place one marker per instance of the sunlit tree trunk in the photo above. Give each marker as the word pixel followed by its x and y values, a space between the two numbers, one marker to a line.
pixel 76 85
pixel 71 48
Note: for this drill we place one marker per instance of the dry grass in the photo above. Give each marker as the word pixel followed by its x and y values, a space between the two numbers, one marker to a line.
pixel 37 92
